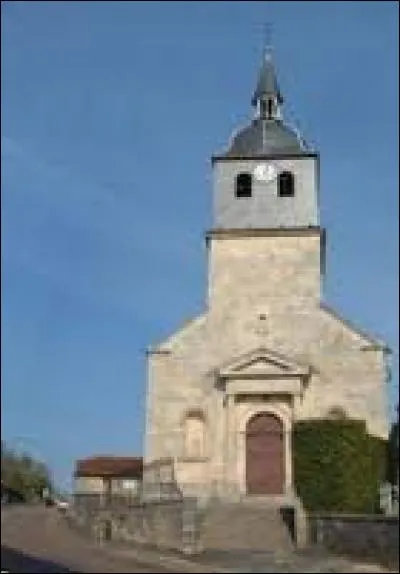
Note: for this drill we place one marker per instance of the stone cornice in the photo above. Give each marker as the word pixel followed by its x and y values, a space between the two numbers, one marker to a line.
pixel 267 232
pixel 157 351
pixel 300 155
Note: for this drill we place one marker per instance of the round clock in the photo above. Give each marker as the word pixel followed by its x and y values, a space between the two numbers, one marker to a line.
pixel 265 172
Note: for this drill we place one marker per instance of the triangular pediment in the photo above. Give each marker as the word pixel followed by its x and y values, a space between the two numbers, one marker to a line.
pixel 264 363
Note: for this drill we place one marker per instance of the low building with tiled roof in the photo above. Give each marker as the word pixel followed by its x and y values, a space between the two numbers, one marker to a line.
pixel 107 474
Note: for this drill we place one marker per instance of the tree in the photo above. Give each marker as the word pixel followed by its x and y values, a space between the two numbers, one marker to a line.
pixel 23 474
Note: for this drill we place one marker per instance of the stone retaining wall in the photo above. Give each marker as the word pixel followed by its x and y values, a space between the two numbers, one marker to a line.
pixel 164 524
pixel 178 524
pixel 363 536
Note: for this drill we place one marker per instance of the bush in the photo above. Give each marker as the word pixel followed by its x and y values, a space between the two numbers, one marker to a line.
pixel 337 465
pixel 393 454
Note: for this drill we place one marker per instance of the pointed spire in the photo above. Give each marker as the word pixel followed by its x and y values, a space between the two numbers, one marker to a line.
pixel 267 133
pixel 267 85
pixel 267 96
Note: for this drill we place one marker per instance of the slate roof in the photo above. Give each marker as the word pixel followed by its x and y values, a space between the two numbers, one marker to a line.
pixel 265 137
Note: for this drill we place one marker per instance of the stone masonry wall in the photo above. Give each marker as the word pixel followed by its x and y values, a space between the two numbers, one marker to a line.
pixel 345 373
pixel 363 536
pixel 264 291
pixel 164 524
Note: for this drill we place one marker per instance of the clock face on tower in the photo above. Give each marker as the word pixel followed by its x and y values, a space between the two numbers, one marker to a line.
pixel 265 172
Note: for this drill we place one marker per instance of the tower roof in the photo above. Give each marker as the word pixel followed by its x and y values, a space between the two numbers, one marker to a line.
pixel 263 137
pixel 267 84
pixel 267 134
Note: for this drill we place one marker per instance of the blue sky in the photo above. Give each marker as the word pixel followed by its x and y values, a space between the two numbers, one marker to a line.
pixel 110 112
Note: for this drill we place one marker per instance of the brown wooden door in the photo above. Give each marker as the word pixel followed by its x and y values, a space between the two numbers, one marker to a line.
pixel 265 455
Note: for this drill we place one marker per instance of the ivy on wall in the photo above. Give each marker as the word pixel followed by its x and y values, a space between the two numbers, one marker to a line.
pixel 338 466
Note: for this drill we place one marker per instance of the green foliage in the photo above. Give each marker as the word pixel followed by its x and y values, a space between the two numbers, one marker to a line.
pixel 393 453
pixel 337 465
pixel 23 473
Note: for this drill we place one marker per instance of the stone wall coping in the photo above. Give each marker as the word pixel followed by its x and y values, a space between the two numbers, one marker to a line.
pixel 353 517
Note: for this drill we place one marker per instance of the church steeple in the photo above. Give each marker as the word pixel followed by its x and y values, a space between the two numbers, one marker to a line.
pixel 267 97
pixel 267 177
pixel 267 134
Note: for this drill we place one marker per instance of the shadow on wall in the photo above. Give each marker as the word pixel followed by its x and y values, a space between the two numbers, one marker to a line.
pixel 288 517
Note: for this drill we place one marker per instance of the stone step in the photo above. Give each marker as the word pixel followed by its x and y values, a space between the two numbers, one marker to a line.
pixel 239 526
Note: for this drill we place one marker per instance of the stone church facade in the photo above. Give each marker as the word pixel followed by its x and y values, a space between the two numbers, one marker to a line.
pixel 224 391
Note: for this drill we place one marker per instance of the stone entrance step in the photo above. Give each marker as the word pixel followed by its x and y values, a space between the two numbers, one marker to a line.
pixel 243 526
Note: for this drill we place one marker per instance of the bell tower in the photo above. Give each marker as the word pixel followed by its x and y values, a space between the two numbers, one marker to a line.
pixel 265 240
pixel 267 177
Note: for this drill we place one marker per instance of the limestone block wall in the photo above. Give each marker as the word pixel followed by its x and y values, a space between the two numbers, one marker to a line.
pixel 261 268
pixel 173 392
pixel 264 290
pixel 345 373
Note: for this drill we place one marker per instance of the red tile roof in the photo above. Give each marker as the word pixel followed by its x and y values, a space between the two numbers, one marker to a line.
pixel 110 466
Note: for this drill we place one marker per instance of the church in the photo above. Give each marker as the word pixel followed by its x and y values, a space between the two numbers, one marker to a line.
pixel 224 391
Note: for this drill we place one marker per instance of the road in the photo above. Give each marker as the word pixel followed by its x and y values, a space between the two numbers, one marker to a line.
pixel 36 539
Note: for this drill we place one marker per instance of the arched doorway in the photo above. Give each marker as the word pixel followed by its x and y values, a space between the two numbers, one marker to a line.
pixel 265 460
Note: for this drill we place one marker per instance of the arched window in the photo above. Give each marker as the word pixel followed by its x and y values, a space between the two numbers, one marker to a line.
pixel 286 184
pixel 195 439
pixel 243 185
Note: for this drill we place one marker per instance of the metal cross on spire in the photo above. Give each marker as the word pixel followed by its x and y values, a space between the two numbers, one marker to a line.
pixel 267 41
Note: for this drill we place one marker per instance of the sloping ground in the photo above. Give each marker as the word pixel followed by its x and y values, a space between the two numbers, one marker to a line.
pixel 284 563
pixel 17 561
pixel 33 536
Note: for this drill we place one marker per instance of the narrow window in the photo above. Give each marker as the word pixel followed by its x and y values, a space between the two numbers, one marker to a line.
pixel 243 185
pixel 263 109
pixel 270 108
pixel 286 184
